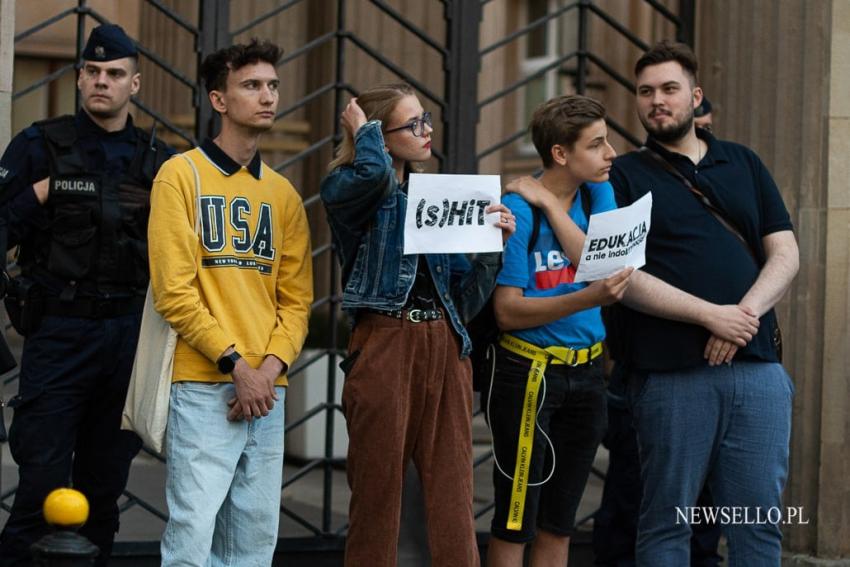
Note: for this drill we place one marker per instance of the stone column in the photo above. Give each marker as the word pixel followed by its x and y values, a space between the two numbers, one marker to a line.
pixel 833 514
pixel 7 64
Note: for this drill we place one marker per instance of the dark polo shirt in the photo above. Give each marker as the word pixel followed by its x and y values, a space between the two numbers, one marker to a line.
pixel 689 249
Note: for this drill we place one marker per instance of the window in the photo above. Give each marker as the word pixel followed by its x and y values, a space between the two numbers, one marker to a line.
pixel 543 46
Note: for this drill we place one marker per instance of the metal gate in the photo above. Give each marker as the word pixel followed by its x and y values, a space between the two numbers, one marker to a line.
pixel 454 42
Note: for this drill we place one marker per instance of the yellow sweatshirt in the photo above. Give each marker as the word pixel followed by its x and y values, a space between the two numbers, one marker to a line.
pixel 247 282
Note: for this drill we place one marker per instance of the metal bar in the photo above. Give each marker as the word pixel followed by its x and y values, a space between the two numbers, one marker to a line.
pixel 312 44
pixel 318 251
pixel 152 454
pixel 333 309
pixel 44 80
pixel 418 85
pixel 325 300
pixel 5 496
pixel 485 509
pixel 611 72
pixel 623 132
pixel 213 25
pixel 306 469
pixel 524 30
pixel 581 70
pixel 522 82
pixel 95 15
pixel 686 31
pixel 299 520
pixel 166 66
pixel 623 30
pixel 482 459
pixel 460 115
pixel 304 153
pixel 173 16
pixel 141 502
pixel 163 120
pixel 305 100
pixel 498 146
pixel 409 26
pixel 662 9
pixel 312 200
pixel 46 23
pixel 81 30
pixel 301 366
pixel 266 16
pixel 306 417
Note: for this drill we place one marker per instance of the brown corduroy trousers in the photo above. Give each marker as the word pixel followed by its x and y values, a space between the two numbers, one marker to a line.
pixel 408 396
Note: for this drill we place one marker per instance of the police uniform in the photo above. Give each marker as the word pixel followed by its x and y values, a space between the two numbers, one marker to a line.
pixel 78 301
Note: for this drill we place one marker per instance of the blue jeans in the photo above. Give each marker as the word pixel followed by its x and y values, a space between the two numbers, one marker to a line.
pixel 74 376
pixel 223 480
pixel 729 426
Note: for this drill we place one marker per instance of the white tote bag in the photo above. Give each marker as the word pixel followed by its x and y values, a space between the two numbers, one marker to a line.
pixel 146 406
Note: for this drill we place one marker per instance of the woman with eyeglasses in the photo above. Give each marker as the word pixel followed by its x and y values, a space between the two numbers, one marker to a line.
pixel 408 390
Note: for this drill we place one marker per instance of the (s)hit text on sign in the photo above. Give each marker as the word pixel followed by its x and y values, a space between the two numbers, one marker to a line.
pixel 446 214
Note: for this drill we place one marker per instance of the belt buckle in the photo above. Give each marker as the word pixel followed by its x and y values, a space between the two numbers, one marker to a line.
pixel 415 315
pixel 575 361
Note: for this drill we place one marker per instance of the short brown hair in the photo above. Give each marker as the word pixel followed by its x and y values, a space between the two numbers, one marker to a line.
pixel 559 121
pixel 669 50
pixel 218 65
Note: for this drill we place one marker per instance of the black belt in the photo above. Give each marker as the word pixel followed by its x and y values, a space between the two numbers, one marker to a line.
pixel 412 315
pixel 93 308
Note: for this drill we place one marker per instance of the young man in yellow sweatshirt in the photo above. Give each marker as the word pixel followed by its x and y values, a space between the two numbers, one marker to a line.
pixel 239 298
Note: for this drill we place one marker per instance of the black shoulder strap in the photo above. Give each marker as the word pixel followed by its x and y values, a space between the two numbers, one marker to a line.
pixel 537 213
pixel 151 153
pixel 584 190
pixel 535 227
pixel 721 217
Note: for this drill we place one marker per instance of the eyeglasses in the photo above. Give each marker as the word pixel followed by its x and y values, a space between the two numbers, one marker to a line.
pixel 416 126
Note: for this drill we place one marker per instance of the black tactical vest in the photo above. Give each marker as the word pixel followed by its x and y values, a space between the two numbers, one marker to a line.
pixel 97 237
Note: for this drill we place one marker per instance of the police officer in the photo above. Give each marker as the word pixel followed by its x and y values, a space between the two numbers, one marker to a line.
pixel 74 193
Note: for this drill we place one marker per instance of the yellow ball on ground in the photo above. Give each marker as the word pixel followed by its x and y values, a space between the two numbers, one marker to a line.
pixel 66 508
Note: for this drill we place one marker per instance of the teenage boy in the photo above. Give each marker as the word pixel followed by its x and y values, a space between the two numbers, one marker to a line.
pixel 552 341
pixel 239 300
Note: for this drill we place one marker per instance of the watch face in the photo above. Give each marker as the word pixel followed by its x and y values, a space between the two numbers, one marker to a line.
pixel 226 364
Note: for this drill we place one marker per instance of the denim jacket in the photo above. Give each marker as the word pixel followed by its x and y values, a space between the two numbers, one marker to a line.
pixel 366 207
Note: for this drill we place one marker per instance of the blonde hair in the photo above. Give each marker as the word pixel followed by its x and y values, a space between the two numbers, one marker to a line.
pixel 378 103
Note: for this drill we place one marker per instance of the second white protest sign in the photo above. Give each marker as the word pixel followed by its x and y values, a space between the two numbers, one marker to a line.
pixel 615 240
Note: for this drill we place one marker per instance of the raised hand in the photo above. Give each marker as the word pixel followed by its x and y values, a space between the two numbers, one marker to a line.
pixel 507 220
pixel 353 117
pixel 531 190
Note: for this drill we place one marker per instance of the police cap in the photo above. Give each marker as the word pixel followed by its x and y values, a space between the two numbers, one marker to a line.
pixel 108 42
pixel 703 108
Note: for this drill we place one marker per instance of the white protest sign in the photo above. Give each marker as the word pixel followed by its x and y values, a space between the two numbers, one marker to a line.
pixel 615 240
pixel 445 214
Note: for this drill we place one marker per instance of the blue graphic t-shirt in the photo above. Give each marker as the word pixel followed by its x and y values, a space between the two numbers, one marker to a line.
pixel 547 272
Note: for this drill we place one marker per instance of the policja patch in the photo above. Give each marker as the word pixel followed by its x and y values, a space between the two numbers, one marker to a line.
pixel 74 186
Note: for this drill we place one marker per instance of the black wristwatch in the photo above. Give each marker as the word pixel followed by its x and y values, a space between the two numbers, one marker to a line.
pixel 227 363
